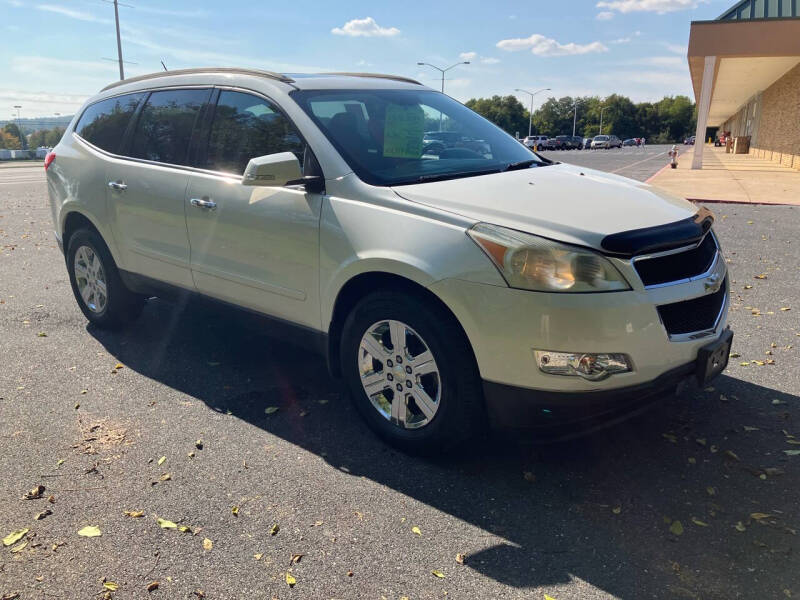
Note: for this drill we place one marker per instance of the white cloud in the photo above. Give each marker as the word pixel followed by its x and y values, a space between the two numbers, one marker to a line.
pixel 676 48
pixel 657 6
pixel 489 60
pixel 605 15
pixel 544 46
pixel 365 28
pixel 468 55
pixel 624 40
pixel 71 13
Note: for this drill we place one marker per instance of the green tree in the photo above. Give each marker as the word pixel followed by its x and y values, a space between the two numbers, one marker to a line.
pixel 12 130
pixel 504 111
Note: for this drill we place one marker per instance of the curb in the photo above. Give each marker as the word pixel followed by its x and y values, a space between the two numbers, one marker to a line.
pixel 742 202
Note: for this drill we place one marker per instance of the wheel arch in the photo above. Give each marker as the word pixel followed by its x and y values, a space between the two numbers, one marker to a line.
pixel 73 220
pixel 364 283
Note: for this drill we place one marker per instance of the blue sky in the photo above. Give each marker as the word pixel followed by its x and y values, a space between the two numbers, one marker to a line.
pixel 53 50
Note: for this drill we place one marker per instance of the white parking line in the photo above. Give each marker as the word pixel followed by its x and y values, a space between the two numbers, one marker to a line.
pixel 638 162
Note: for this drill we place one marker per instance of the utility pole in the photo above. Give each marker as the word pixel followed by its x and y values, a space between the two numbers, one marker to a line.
pixel 119 41
pixel 530 112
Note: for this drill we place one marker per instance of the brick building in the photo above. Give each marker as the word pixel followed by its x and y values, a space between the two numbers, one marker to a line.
pixel 745 69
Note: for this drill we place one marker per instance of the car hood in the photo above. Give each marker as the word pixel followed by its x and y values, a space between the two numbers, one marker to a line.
pixel 564 202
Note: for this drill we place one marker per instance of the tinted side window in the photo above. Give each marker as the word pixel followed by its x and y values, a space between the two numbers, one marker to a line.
pixel 244 127
pixel 165 125
pixel 103 123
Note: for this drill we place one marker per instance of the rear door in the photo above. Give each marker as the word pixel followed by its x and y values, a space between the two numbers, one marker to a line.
pixel 253 246
pixel 147 188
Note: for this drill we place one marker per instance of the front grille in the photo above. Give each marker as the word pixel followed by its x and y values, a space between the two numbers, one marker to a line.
pixel 675 267
pixel 697 314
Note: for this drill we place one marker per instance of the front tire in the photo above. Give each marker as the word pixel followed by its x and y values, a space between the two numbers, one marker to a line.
pixel 411 373
pixel 96 283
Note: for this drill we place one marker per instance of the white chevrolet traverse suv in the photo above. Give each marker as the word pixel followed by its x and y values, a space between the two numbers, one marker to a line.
pixel 480 284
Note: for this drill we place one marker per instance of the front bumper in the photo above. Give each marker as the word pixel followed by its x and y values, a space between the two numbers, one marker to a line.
pixel 515 408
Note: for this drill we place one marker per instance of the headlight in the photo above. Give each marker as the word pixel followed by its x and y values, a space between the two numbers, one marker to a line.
pixel 531 262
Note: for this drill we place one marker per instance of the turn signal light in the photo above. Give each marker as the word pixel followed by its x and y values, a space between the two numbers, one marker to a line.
pixel 590 366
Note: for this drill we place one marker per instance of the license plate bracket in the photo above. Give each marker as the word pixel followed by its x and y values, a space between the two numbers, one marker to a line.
pixel 713 358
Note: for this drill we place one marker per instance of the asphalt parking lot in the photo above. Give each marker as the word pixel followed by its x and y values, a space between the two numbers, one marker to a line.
pixel 630 161
pixel 173 418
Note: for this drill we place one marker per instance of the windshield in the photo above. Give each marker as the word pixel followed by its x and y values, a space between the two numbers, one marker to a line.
pixel 396 137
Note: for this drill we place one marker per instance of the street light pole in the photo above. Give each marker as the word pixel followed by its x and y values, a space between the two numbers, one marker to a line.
pixel 443 71
pixel 602 108
pixel 119 41
pixel 19 129
pixel 530 112
pixel 574 119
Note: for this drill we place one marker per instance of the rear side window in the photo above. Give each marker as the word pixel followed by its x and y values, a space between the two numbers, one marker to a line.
pixel 103 123
pixel 244 127
pixel 165 126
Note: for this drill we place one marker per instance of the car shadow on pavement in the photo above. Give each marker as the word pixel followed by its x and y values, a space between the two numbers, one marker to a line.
pixel 601 509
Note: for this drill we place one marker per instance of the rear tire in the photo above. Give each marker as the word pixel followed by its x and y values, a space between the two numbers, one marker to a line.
pixel 431 400
pixel 96 283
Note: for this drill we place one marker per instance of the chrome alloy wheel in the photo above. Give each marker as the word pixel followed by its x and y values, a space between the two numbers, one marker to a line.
pixel 91 279
pixel 399 374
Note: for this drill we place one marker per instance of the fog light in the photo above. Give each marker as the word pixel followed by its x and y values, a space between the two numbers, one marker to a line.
pixel 593 367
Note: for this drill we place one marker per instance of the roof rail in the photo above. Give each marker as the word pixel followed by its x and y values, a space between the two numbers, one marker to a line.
pixel 377 76
pixel 242 71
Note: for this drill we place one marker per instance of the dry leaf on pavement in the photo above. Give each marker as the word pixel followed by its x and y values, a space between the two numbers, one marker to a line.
pixel 90 531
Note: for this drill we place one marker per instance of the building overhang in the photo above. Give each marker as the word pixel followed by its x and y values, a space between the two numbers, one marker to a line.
pixel 751 55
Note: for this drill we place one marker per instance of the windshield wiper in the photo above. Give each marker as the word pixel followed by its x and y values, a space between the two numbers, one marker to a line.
pixel 523 164
pixel 456 175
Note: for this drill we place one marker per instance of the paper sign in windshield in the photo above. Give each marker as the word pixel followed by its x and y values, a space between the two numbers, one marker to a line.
pixel 403 131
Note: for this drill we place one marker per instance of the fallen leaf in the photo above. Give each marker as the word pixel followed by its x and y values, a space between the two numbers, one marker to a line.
pixel 676 528
pixel 734 355
pixel 701 441
pixel 152 586
pixel 90 531
pixel 438 574
pixel 290 580
pixel 60 462
pixel 739 526
pixel 616 510
pixel 416 530
pixel 258 556
pixel 349 573
pixel 546 597
pixel 164 524
pixel 235 511
pixel 758 516
pixel 165 477
pixel 207 544
pixel 731 454
pixel 199 593
pixel 296 558
pixel 35 493
pixel 184 529
pixel 41 334
pixel 792 452
pixel 45 513
pixel 274 529
pixel 271 409
pixel 785 308
pixel 777 402
pixel 19 547
pixel 698 522
pixel 199 444
pixel 671 437
pixel 110 585
pixel 711 491
pixel 529 476
pixel 119 366
pixel 749 428
pixel 134 514
pixel 161 460
pixel 460 558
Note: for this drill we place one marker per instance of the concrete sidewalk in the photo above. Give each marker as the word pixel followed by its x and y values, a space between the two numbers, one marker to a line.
pixel 731 178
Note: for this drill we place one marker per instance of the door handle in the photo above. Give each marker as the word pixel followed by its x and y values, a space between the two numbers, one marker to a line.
pixel 203 203
pixel 117 185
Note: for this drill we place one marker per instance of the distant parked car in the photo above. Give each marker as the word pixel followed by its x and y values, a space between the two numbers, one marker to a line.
pixel 689 141
pixel 534 140
pixel 606 141
pixel 630 142
pixel 577 142
pixel 564 142
pixel 587 143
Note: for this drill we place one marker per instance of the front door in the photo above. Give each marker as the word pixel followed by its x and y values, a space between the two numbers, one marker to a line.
pixel 253 246
pixel 146 195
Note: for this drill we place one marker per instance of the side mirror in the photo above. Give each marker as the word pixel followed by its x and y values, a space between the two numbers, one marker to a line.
pixel 273 170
